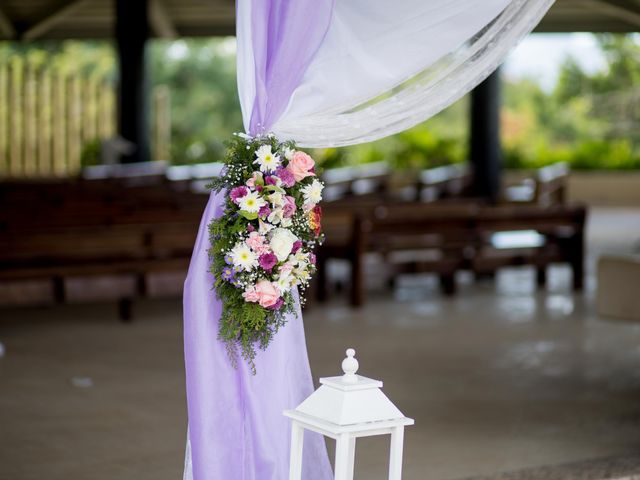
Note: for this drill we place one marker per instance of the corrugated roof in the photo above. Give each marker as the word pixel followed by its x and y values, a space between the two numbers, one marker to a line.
pixel 58 19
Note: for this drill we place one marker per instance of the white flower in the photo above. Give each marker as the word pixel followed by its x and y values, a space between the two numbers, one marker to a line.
pixel 264 227
pixel 251 202
pixel 286 222
pixel 302 274
pixel 288 153
pixel 284 282
pixel 276 216
pixel 281 243
pixel 301 257
pixel 267 160
pixel 242 257
pixel 276 199
pixel 313 192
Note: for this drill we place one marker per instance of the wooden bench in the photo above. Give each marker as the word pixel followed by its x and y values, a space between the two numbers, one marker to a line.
pixel 369 179
pixel 449 181
pixel 459 236
pixel 91 229
pixel 548 186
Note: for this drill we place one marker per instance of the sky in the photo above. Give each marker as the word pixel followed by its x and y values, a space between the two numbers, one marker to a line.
pixel 540 56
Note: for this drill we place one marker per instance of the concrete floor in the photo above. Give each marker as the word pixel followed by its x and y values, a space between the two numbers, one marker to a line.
pixel 500 378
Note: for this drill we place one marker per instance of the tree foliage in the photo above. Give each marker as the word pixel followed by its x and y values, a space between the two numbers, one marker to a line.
pixel 589 119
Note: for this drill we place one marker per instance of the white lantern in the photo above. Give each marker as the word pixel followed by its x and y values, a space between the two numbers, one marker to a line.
pixel 345 408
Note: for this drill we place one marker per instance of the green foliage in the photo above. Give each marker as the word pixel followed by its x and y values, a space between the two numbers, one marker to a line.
pixel 90 154
pixel 205 108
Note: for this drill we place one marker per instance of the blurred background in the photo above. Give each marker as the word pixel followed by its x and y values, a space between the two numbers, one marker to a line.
pixel 484 264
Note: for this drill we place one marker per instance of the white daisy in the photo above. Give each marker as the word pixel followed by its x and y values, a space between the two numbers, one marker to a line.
pixel 284 283
pixel 267 160
pixel 313 192
pixel 243 257
pixel 252 202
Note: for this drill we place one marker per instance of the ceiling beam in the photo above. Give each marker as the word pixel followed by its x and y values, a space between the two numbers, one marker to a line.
pixel 7 30
pixel 51 18
pixel 621 10
pixel 160 20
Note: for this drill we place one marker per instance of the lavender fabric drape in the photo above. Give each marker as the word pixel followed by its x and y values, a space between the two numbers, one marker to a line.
pixel 284 37
pixel 236 427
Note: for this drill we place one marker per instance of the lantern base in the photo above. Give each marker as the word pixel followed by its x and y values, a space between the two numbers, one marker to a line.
pixel 345 437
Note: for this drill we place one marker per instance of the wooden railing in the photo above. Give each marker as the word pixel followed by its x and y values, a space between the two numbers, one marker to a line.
pixel 48 117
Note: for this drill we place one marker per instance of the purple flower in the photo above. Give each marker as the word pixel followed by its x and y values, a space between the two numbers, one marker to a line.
pixel 271 180
pixel 267 261
pixel 259 188
pixel 264 211
pixel 289 207
pixel 228 260
pixel 251 228
pixel 228 275
pixel 312 258
pixel 296 246
pixel 288 180
pixel 277 305
pixel 237 193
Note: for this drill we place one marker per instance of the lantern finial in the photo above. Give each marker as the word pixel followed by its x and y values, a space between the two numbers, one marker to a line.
pixel 350 367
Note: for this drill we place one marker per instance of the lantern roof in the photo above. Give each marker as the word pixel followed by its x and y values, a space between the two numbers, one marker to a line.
pixel 349 399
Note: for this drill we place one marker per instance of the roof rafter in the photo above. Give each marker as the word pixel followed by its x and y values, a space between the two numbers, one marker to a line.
pixel 625 10
pixel 50 18
pixel 6 26
pixel 160 20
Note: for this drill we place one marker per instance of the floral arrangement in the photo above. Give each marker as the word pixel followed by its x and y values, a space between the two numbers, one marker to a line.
pixel 262 245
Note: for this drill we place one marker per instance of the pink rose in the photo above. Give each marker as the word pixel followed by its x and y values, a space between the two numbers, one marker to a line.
pixel 268 293
pixel 300 166
pixel 250 295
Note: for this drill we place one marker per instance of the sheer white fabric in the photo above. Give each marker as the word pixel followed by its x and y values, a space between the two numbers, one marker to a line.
pixel 387 66
pixel 245 61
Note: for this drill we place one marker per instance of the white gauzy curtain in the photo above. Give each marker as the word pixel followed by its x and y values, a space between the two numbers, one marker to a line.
pixel 385 65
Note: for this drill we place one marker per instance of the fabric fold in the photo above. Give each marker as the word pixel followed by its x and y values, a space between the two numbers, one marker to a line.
pixel 236 427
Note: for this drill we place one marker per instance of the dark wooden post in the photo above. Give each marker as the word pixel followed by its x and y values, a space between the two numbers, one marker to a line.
pixel 486 151
pixel 132 31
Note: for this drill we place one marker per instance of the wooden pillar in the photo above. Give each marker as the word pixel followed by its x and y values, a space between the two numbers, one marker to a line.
pixel 132 31
pixel 486 151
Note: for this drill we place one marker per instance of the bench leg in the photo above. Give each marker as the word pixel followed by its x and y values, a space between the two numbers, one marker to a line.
pixel 321 278
pixel 58 289
pixel 448 283
pixel 541 276
pixel 357 280
pixel 125 309
pixel 577 260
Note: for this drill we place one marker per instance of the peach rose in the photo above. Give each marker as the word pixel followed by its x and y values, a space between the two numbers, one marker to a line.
pixel 300 166
pixel 268 293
